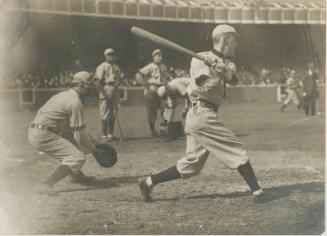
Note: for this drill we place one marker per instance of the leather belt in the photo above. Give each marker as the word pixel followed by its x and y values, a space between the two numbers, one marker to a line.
pixel 42 127
pixel 111 83
pixel 205 104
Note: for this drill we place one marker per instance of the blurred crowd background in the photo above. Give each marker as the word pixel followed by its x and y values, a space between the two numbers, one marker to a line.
pixel 45 79
pixel 47 49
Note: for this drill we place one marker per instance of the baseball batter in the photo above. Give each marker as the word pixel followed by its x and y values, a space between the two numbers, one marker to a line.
pixel 152 77
pixel 206 132
pixel 292 85
pixel 108 74
pixel 59 131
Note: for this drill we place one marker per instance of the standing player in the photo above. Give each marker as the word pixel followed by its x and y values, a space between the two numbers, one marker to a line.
pixel 292 85
pixel 310 90
pixel 206 132
pixel 109 77
pixel 153 76
pixel 59 130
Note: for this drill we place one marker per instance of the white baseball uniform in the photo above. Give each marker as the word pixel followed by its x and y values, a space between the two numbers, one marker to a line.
pixel 206 132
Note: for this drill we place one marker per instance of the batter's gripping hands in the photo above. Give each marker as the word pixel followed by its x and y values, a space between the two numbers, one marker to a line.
pixel 105 154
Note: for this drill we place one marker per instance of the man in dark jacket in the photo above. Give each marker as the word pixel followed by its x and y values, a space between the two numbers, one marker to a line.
pixel 310 90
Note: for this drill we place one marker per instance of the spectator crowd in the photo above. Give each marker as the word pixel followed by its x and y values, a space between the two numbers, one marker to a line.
pixel 246 75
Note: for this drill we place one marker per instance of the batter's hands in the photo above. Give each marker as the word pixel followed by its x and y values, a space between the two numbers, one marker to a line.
pixel 231 67
pixel 216 65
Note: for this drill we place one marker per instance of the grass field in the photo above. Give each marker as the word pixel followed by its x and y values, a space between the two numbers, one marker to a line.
pixel 287 155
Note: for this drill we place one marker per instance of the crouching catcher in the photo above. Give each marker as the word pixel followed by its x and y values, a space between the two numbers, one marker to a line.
pixel 59 130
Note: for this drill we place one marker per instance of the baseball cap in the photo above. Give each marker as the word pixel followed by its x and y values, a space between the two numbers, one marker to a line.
pixel 81 76
pixel 108 51
pixel 156 51
pixel 221 29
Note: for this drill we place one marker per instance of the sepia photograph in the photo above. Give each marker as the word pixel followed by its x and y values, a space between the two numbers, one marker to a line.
pixel 162 117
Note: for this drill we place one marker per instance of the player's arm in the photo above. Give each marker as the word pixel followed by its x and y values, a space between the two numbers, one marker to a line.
pixel 186 106
pixel 78 128
pixel 120 78
pixel 100 75
pixel 230 73
pixel 142 74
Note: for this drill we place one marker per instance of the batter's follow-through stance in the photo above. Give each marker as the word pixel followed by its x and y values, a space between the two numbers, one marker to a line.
pixel 152 77
pixel 206 132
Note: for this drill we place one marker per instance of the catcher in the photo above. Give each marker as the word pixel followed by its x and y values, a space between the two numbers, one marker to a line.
pixel 59 131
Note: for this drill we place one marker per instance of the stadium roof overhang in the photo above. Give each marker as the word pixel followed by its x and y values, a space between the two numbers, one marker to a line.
pixel 201 11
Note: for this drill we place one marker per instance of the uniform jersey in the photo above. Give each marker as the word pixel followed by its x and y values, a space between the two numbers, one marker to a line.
pixel 291 83
pixel 155 74
pixel 213 88
pixel 107 73
pixel 62 111
pixel 179 86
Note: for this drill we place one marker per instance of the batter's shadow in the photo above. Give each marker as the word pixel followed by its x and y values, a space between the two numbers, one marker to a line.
pixel 106 183
pixel 276 193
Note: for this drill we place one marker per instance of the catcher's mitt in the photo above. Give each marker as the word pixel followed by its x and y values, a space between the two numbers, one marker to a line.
pixel 105 154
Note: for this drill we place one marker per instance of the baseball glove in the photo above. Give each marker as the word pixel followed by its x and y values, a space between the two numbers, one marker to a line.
pixel 105 155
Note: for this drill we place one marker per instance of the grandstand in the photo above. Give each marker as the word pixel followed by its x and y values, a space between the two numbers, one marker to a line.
pixel 48 37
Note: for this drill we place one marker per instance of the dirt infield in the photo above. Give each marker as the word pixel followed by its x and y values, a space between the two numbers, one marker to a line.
pixel 286 152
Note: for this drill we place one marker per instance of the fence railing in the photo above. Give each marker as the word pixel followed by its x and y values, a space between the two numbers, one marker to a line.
pixel 24 97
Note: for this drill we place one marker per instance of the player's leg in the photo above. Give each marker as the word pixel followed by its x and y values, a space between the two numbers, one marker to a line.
pixel 219 140
pixel 104 114
pixel 296 100
pixel 306 105
pixel 287 101
pixel 152 106
pixel 71 158
pixel 111 118
pixel 190 165
pixel 313 104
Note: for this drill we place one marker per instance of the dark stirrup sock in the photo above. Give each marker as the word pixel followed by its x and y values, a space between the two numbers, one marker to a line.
pixel 111 126
pixel 60 173
pixel 104 127
pixel 166 175
pixel 248 175
pixel 152 127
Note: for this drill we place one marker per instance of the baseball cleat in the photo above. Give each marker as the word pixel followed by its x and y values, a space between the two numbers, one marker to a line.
pixel 111 138
pixel 145 190
pixel 262 198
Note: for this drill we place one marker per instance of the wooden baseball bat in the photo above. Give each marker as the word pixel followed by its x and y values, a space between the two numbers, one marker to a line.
pixel 166 43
